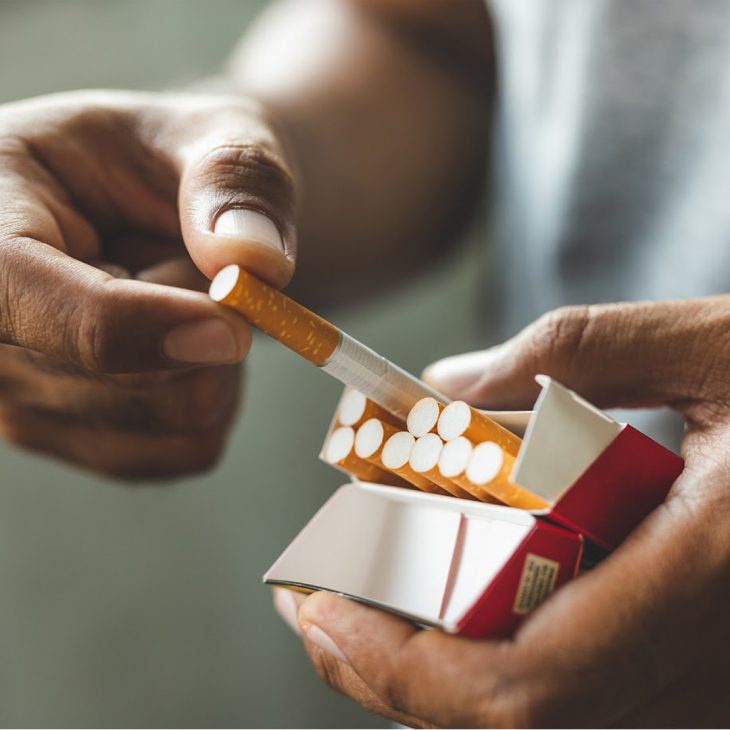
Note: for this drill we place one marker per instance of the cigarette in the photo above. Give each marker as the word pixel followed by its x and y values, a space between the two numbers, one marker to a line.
pixel 460 419
pixel 371 437
pixel 339 452
pixel 395 455
pixel 320 342
pixel 489 469
pixel 355 409
pixel 423 417
pixel 424 460
pixel 452 463
pixel 454 457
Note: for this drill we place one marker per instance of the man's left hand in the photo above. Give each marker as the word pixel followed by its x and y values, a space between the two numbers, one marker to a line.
pixel 640 640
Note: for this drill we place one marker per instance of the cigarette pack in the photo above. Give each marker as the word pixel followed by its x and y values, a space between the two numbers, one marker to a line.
pixel 477 569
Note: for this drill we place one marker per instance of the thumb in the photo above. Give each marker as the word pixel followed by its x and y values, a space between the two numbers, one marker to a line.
pixel 237 192
pixel 631 355
pixel 416 673
pixel 80 315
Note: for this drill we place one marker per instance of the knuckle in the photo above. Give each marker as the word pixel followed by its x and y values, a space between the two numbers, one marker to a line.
pixel 395 693
pixel 557 336
pixel 533 706
pixel 88 332
pixel 234 163
pixel 13 149
pixel 12 302
pixel 209 399
pixel 249 174
pixel 519 693
pixel 397 686
pixel 329 670
pixel 84 112
pixel 516 710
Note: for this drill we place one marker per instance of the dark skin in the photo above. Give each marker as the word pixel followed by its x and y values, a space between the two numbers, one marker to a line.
pixel 638 641
pixel 111 210
pixel 96 275
pixel 110 201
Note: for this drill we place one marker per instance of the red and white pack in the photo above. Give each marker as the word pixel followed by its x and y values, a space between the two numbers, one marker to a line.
pixel 478 569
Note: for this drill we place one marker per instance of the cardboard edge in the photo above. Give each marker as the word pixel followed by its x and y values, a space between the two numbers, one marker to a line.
pixel 492 614
pixel 309 588
pixel 469 508
pixel 290 545
pixel 559 410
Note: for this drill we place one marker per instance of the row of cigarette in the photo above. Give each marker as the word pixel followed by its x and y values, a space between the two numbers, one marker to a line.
pixel 454 450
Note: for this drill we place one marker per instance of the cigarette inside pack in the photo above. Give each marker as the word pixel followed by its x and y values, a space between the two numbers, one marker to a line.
pixel 466 520
pixel 565 460
pixel 457 518
pixel 448 449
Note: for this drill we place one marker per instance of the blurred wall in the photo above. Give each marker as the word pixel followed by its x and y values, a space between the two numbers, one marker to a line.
pixel 143 606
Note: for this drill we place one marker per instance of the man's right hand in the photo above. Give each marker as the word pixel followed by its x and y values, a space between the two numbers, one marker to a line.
pixel 111 206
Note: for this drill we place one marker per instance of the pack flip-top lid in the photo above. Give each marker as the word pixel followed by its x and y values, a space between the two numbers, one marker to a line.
pixel 467 567
pixel 599 477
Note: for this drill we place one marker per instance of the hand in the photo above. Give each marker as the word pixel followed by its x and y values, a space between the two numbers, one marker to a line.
pixel 642 639
pixel 111 204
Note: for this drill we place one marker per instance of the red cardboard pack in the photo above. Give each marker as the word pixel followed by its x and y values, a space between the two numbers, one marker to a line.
pixel 478 569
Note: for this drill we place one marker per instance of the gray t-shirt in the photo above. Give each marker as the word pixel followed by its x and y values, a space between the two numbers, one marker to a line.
pixel 613 154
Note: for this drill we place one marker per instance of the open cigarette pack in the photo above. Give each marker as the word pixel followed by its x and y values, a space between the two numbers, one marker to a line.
pixel 476 566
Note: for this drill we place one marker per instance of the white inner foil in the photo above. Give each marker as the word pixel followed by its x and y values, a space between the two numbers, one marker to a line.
pixel 391 387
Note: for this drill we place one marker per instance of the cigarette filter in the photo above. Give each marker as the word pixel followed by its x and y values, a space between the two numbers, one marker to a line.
pixel 489 470
pixel 423 417
pixel 424 460
pixel 454 457
pixel 354 409
pixel 371 437
pixel 320 342
pixel 339 452
pixel 453 460
pixel 460 419
pixel 395 456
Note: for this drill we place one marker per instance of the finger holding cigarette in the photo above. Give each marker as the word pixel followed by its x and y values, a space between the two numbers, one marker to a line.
pixel 275 314
pixel 320 342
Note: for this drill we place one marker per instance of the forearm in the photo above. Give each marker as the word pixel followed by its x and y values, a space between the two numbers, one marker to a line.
pixel 385 109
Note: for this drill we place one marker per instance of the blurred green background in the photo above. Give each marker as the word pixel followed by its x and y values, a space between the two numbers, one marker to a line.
pixel 143 606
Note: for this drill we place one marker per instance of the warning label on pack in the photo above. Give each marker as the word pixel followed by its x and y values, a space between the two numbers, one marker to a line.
pixel 536 584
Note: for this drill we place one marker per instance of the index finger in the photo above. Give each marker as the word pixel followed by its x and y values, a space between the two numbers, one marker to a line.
pixel 75 313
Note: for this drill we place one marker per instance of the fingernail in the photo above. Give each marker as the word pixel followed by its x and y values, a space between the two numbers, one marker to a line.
pixel 249 225
pixel 204 341
pixel 286 607
pixel 325 643
pixel 453 375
